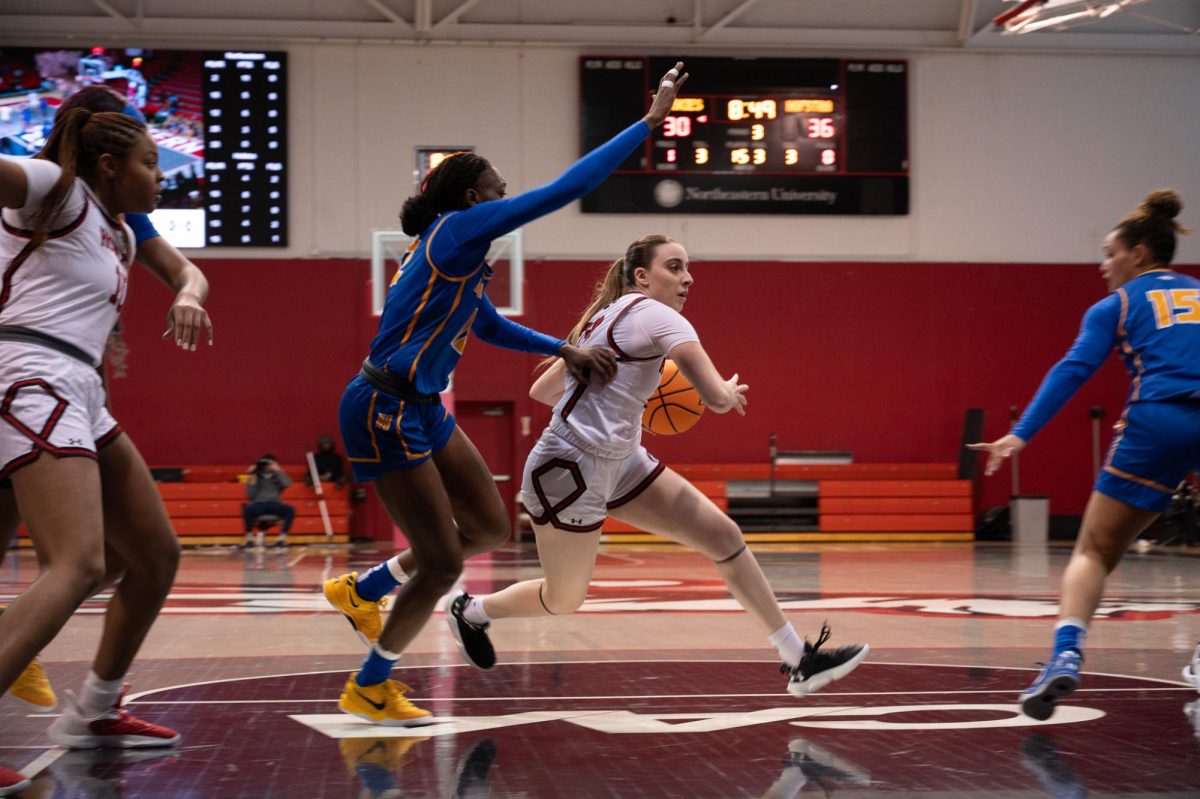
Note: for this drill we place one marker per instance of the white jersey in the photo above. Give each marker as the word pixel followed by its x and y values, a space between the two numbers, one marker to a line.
pixel 607 421
pixel 72 287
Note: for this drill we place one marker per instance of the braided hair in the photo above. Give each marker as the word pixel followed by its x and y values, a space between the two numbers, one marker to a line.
pixel 442 190
pixel 76 144
pixel 1153 224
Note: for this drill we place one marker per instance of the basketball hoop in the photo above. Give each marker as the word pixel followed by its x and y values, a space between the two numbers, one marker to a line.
pixel 506 257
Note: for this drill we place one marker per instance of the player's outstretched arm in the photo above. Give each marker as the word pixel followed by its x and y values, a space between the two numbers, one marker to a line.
pixel 187 320
pixel 998 451
pixel 486 221
pixel 719 394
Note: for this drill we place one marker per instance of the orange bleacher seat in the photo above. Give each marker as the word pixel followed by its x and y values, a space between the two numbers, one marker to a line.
pixel 894 488
pixel 861 505
pixel 177 509
pixel 303 525
pixel 898 522
pixel 237 491
pixel 229 473
pixel 818 471
pixel 209 502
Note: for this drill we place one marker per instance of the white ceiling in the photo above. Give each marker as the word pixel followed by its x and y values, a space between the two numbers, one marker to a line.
pixel 1157 26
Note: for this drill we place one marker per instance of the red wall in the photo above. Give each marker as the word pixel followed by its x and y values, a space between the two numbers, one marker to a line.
pixel 288 335
pixel 876 358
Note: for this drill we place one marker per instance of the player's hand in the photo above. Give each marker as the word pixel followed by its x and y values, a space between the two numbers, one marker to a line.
pixel 998 451
pixel 737 395
pixel 664 98
pixel 187 321
pixel 586 362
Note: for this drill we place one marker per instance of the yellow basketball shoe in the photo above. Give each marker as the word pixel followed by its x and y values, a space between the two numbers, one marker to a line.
pixel 364 615
pixel 383 703
pixel 362 755
pixel 32 689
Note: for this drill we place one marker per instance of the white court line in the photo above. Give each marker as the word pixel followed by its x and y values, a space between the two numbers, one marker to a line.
pixel 774 695
pixel 42 761
pixel 133 697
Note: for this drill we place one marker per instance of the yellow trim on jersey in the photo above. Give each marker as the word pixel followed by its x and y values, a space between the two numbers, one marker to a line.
pixel 371 431
pixel 433 276
pixel 457 299
pixel 420 307
pixel 1142 480
pixel 1127 349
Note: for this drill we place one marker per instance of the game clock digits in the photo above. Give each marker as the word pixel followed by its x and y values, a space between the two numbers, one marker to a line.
pixel 754 135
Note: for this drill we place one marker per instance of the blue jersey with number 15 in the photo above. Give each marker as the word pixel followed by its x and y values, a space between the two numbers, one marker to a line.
pixel 1153 321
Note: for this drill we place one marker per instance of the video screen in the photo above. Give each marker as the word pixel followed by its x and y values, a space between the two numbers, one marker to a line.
pixel 219 119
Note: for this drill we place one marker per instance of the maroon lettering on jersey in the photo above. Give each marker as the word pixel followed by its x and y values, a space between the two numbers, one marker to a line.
pixel 591 326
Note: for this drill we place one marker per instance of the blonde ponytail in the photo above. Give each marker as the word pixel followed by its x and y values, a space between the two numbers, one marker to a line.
pixel 616 281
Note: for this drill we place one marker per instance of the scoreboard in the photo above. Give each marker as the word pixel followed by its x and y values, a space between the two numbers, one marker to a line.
pixel 754 135
pixel 245 143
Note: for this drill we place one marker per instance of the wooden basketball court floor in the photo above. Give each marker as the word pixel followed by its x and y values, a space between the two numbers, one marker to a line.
pixel 661 687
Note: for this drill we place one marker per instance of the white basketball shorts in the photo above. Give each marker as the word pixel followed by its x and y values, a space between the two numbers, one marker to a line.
pixel 573 490
pixel 49 402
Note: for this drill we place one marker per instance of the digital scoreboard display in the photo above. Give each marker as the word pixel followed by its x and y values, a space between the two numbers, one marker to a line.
pixel 245 113
pixel 219 118
pixel 754 135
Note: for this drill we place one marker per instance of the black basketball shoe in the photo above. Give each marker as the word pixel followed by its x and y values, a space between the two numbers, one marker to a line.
pixel 472 639
pixel 817 669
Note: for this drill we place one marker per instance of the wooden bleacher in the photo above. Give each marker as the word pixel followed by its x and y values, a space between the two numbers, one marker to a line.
pixel 206 507
pixel 847 501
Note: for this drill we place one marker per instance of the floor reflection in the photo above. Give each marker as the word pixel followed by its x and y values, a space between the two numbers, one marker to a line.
pixel 1040 756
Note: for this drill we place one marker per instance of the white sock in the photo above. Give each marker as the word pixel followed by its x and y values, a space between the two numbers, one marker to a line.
pixel 1078 623
pixel 393 565
pixel 383 653
pixel 475 613
pixel 99 696
pixel 789 645
pixel 788 785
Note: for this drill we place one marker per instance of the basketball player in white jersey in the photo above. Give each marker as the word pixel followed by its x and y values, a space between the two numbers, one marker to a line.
pixel 590 462
pixel 81 484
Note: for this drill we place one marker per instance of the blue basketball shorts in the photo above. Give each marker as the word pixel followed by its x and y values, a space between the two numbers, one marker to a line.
pixel 385 434
pixel 1155 446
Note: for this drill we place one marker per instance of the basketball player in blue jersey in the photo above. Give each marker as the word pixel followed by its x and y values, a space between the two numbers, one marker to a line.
pixel 1152 318
pixel 429 475
pixel 187 322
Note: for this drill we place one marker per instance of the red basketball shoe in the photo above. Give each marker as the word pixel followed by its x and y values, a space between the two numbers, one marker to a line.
pixel 116 729
pixel 12 782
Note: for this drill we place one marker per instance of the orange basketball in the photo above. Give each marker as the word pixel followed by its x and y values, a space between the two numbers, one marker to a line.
pixel 675 406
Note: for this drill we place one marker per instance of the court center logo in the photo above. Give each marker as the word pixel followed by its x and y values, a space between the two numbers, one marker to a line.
pixel 968 716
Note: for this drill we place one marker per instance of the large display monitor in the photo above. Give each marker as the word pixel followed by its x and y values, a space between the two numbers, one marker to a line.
pixel 754 135
pixel 219 119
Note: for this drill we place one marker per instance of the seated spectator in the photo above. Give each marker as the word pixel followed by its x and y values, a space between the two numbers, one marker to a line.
pixel 331 467
pixel 264 488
